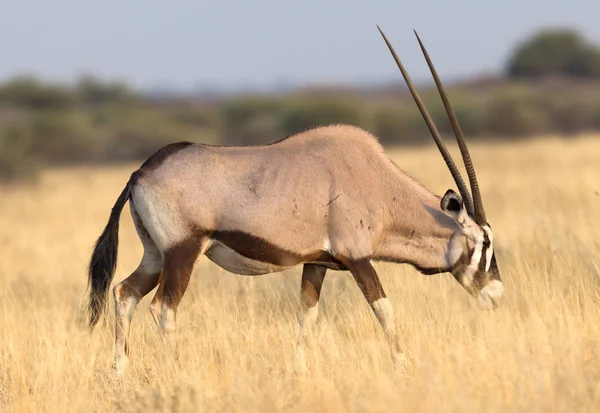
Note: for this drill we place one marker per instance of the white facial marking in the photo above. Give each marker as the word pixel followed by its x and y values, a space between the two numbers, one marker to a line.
pixel 476 234
pixel 455 250
pixel 385 314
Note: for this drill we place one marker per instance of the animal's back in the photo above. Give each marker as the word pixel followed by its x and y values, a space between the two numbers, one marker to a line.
pixel 287 192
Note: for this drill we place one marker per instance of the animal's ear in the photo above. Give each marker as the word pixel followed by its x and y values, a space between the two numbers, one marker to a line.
pixel 452 204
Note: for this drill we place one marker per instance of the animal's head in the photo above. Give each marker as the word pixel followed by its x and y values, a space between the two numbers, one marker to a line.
pixel 471 248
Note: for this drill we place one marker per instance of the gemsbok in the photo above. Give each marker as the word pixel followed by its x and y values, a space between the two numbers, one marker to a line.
pixel 327 198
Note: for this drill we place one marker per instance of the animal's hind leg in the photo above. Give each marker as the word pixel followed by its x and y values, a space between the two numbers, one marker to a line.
pixel 130 291
pixel 310 291
pixel 178 264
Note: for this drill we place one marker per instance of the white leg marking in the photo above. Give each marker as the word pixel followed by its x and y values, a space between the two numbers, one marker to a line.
pixel 306 320
pixel 309 318
pixel 385 314
pixel 164 317
pixel 124 307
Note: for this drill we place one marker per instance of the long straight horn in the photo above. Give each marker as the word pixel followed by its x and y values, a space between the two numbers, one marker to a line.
pixel 479 213
pixel 462 188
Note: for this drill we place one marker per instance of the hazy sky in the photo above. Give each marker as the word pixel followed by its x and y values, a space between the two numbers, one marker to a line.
pixel 257 43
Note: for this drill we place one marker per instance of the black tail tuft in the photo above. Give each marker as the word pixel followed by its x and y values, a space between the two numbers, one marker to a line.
pixel 104 260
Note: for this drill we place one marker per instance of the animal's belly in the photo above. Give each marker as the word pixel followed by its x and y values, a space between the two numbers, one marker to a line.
pixel 232 261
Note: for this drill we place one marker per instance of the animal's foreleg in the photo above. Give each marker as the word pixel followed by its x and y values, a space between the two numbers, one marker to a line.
pixel 310 290
pixel 368 281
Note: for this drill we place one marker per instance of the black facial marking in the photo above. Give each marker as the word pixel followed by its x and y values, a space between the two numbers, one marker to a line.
pixel 486 245
pixel 422 270
pixel 482 261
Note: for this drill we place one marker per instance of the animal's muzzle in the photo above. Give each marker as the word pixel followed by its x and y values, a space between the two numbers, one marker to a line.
pixel 490 296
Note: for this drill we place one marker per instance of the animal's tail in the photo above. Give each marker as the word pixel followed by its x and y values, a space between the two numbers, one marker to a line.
pixel 103 262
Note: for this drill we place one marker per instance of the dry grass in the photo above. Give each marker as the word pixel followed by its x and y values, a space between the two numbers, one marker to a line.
pixel 539 352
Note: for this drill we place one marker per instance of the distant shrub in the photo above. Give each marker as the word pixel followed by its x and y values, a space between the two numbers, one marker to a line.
pixel 90 90
pixel 17 161
pixel 393 124
pixel 140 135
pixel 259 130
pixel 26 92
pixel 43 124
pixel 237 113
pixel 554 52
pixel 304 113
pixel 135 142
pixel 196 116
pixel 469 111
pixel 569 116
pixel 596 115
pixel 517 113
pixel 62 137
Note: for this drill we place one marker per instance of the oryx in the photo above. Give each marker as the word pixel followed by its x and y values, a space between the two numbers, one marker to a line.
pixel 326 198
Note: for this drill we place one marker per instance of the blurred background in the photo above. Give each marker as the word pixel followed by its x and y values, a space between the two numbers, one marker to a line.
pixel 114 81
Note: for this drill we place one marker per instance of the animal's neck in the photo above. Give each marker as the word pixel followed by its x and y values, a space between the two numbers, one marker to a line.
pixel 418 232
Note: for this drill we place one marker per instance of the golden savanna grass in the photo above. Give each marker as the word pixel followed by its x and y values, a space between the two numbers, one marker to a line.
pixel 539 352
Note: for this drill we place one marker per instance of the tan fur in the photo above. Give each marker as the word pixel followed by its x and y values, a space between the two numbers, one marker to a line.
pixel 332 184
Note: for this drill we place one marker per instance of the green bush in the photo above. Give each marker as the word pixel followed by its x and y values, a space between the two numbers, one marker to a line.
pixel 469 111
pixel 259 130
pixel 93 91
pixel 570 116
pixel 517 113
pixel 393 124
pixel 238 112
pixel 28 93
pixel 555 52
pixel 63 137
pixel 197 117
pixel 43 124
pixel 304 113
pixel 17 161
